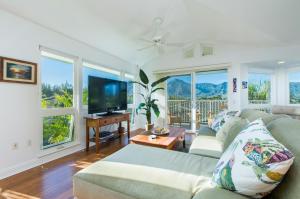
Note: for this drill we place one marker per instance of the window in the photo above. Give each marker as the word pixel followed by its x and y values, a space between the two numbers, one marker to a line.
pixel 97 71
pixel 294 87
pixel 211 93
pixel 57 101
pixel 130 96
pixel 259 88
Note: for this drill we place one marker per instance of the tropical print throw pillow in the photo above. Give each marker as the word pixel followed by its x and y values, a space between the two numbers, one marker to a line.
pixel 221 118
pixel 254 163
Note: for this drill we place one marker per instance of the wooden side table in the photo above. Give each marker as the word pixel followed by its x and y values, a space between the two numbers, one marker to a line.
pixel 100 121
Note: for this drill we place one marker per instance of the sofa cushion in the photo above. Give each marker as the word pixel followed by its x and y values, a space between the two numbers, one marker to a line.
pixel 150 173
pixel 254 164
pixel 235 129
pixel 287 131
pixel 221 118
pixel 252 114
pixel 222 134
pixel 217 193
pixel 206 146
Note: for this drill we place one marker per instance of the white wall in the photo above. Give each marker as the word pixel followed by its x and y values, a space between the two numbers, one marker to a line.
pixel 237 57
pixel 20 118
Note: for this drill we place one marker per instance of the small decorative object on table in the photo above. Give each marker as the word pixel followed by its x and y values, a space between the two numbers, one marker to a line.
pixel 161 131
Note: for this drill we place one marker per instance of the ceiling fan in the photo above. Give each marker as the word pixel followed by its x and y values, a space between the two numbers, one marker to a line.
pixel 159 38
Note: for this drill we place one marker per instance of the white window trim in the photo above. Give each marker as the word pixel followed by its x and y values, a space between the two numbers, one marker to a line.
pixel 287 83
pixel 45 112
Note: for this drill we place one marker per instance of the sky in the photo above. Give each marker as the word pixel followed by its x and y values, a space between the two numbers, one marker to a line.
pixel 294 77
pixel 56 72
pixel 214 77
pixel 258 77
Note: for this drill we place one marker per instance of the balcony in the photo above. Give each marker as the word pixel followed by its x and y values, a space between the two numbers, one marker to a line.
pixel 180 111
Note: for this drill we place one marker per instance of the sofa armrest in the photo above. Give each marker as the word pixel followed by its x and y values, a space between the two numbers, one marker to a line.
pixel 217 193
pixel 207 146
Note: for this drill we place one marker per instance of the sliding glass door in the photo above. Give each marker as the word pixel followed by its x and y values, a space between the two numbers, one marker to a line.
pixel 211 93
pixel 193 98
pixel 179 98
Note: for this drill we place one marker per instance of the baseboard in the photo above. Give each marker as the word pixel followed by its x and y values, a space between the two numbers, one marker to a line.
pixel 13 170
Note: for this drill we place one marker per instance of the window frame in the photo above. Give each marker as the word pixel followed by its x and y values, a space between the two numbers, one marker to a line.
pixel 98 67
pixel 60 111
pixel 290 70
pixel 130 77
pixel 273 91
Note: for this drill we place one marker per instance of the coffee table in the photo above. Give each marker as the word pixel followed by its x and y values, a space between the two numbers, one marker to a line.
pixel 163 141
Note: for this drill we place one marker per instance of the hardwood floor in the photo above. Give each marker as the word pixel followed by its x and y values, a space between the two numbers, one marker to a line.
pixel 53 180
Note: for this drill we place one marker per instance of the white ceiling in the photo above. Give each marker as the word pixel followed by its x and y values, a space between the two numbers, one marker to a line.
pixel 115 25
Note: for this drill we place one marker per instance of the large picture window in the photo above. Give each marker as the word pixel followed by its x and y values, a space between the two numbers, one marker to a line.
pixel 294 87
pixel 57 101
pixel 259 88
pixel 97 71
pixel 130 96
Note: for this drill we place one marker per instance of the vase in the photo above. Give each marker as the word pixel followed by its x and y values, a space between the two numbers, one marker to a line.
pixel 149 127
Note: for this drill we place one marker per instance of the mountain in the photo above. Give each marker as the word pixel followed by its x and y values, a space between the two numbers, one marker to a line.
pixel 177 87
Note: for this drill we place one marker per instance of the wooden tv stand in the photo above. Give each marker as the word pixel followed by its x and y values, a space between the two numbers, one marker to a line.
pixel 100 121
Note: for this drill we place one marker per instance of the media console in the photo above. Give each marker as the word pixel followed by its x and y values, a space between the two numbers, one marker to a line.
pixel 100 121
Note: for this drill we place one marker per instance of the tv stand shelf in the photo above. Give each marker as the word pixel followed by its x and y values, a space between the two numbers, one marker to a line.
pixel 100 121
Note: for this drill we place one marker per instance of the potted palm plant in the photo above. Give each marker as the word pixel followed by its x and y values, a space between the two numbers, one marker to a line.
pixel 148 103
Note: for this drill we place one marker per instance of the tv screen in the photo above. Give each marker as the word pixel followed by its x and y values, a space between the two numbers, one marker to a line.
pixel 106 95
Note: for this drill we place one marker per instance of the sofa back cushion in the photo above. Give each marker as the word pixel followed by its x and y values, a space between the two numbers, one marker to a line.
pixel 232 132
pixel 252 114
pixel 287 132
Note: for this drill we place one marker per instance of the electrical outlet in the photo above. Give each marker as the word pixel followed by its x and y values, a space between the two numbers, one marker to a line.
pixel 15 146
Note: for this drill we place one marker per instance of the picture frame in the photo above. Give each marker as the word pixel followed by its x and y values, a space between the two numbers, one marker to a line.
pixel 17 71
pixel 244 84
pixel 234 81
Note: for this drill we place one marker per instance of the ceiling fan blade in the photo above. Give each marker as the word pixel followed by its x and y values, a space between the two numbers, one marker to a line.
pixel 146 47
pixel 146 40
pixel 164 37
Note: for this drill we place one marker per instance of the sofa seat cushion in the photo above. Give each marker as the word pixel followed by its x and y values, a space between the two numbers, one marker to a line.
pixel 150 173
pixel 208 146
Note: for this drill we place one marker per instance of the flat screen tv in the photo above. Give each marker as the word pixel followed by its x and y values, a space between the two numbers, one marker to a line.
pixel 106 95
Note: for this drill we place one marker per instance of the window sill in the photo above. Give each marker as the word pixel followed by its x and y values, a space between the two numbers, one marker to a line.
pixel 56 149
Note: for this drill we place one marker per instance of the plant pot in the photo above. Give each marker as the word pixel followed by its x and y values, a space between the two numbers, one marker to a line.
pixel 149 127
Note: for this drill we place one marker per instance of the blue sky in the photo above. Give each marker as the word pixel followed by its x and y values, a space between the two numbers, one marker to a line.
pixel 258 77
pixel 294 77
pixel 56 72
pixel 216 77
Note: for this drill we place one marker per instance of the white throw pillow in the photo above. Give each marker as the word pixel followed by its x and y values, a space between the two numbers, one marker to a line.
pixel 254 163
pixel 221 118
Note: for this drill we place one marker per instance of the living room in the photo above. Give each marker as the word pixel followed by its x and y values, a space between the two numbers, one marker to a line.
pixel 212 58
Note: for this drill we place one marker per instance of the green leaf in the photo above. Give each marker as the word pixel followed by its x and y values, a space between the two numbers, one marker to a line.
pixel 144 77
pixel 157 89
pixel 156 110
pixel 152 101
pixel 141 105
pixel 135 82
pixel 161 80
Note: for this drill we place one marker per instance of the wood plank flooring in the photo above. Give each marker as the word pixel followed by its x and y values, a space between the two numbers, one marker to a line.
pixel 53 180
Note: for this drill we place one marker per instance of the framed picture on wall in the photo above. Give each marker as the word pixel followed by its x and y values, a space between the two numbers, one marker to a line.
pixel 17 71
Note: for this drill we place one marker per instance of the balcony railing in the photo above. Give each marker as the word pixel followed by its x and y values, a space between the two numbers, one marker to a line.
pixel 182 109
